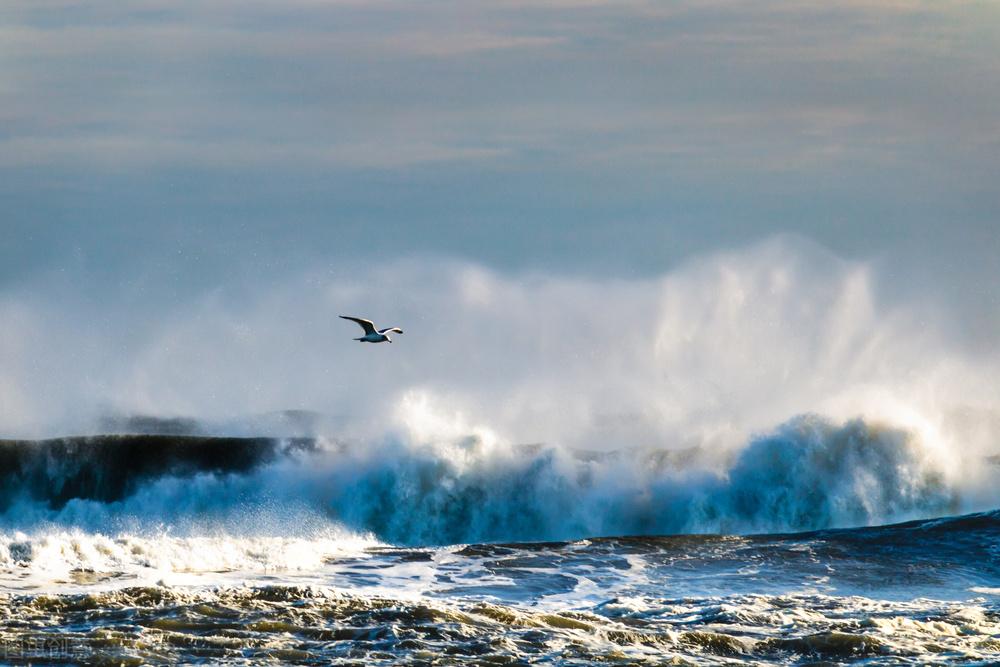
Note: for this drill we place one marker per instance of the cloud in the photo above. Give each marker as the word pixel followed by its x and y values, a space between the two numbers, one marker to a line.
pixel 122 153
pixel 307 74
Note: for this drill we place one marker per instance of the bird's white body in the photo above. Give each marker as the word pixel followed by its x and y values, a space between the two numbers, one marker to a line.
pixel 372 335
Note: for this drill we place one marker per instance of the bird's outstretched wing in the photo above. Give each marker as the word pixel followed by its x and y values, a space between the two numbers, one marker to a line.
pixel 367 325
pixel 390 329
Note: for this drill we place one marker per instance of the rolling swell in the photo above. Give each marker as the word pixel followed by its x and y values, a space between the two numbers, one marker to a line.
pixel 111 467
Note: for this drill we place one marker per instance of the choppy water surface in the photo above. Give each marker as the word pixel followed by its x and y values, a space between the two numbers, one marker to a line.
pixel 240 550
pixel 913 593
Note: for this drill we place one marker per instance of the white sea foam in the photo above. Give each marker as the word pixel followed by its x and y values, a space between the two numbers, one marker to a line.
pixel 65 559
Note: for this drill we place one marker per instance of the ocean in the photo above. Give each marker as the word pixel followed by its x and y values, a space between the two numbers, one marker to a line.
pixel 819 542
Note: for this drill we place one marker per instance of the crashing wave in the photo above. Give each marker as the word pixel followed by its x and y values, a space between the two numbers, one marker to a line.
pixel 808 474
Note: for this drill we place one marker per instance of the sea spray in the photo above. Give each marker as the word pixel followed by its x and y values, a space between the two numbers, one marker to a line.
pixel 705 354
pixel 412 488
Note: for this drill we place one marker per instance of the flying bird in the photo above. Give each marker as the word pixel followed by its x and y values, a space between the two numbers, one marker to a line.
pixel 372 335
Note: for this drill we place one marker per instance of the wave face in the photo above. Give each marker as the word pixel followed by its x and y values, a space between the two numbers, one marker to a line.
pixel 113 467
pixel 808 474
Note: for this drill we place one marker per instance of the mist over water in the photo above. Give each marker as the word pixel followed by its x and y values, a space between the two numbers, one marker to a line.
pixel 707 354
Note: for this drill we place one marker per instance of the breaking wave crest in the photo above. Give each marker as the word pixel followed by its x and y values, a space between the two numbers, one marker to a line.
pixel 807 474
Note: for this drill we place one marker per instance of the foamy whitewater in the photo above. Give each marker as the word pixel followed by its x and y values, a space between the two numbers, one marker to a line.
pixel 754 458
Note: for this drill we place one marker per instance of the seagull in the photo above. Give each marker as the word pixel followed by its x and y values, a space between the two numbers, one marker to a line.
pixel 372 335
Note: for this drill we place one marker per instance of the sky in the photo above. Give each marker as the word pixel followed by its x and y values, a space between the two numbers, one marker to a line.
pixel 580 135
pixel 154 153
